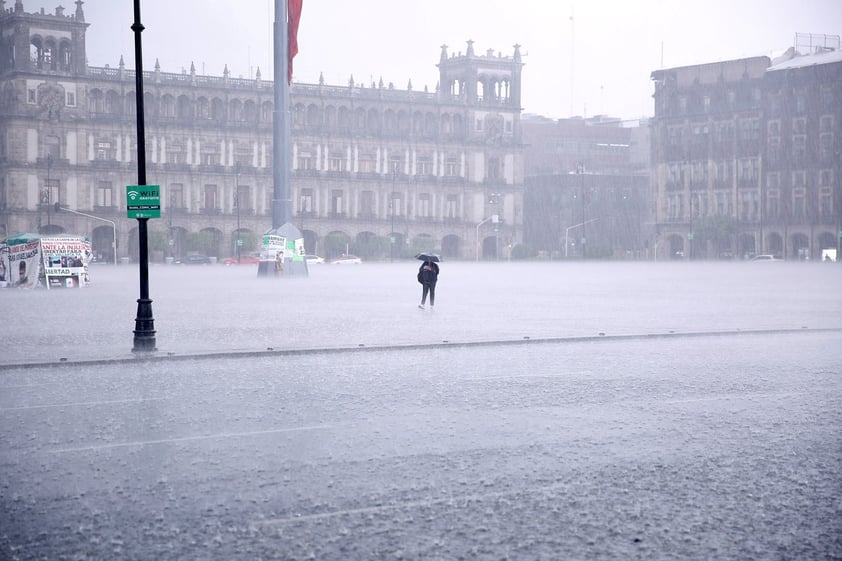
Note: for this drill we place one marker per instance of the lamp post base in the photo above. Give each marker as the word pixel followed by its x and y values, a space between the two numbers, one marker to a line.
pixel 144 332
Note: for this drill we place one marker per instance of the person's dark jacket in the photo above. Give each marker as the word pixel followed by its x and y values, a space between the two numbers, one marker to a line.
pixel 428 273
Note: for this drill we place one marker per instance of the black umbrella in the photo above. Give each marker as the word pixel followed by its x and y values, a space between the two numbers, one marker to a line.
pixel 428 257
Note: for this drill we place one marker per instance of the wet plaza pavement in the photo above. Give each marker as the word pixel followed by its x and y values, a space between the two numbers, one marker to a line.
pixel 543 411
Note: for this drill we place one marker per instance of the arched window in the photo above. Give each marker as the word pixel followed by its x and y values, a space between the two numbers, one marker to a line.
pixel 359 119
pixel 50 54
pixel 299 116
pixel 344 119
pixel 149 106
pixel 36 51
pixel 314 116
pixel 202 108
pixel 65 54
pixel 96 101
pixel 235 114
pixel 168 106
pixel 330 117
pixel 390 123
pixel 266 112
pixel 403 122
pixel 250 111
pixel 417 123
pixel 446 124
pixel 430 125
pixel 184 109
pixel 113 103
pixel 373 121
pixel 218 110
pixel 458 125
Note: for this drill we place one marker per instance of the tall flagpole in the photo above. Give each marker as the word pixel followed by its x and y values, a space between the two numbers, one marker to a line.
pixel 281 127
pixel 283 230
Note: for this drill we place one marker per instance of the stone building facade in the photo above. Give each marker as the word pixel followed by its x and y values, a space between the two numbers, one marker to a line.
pixel 587 181
pixel 746 157
pixel 376 170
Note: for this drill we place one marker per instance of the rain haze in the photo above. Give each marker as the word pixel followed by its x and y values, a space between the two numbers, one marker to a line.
pixel 582 58
pixel 631 405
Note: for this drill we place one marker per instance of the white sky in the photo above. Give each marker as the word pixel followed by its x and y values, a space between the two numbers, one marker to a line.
pixel 598 63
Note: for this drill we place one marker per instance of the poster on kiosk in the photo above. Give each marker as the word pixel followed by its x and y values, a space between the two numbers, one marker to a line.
pixel 35 261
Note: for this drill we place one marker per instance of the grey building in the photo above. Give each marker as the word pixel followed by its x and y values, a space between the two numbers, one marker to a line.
pixel 587 181
pixel 380 170
pixel 746 156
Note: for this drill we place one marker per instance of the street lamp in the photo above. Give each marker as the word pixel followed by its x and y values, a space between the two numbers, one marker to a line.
pixel 144 331
pixel 46 198
pixel 392 211
pixel 495 199
pixel 58 208
pixel 49 187
pixel 170 240
pixel 567 231
pixel 580 169
pixel 494 218
pixel 237 205
pixel 690 193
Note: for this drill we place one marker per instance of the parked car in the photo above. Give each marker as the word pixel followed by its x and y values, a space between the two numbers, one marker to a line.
pixel 313 259
pixel 195 259
pixel 347 259
pixel 249 259
pixel 765 258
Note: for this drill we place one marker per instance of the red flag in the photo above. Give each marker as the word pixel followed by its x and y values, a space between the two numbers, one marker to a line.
pixel 293 16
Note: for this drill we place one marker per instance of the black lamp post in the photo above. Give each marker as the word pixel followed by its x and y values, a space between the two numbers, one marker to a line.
pixel 690 236
pixel 580 169
pixel 49 188
pixel 237 205
pixel 144 331
pixel 392 209
pixel 170 240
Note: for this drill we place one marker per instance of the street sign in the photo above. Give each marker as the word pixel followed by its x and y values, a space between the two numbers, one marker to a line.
pixel 143 201
pixel 690 236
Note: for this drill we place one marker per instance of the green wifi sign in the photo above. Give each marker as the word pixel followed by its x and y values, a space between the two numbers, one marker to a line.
pixel 143 201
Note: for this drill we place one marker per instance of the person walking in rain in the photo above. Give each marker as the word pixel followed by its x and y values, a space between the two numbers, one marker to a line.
pixel 428 274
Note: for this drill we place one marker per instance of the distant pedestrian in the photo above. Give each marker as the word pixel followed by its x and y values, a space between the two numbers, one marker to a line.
pixel 428 275
pixel 279 264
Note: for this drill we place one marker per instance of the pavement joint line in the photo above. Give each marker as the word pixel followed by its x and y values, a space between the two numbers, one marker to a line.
pixel 221 435
pixel 454 500
pixel 82 404
pixel 170 356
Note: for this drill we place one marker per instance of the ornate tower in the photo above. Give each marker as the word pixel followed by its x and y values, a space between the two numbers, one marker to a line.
pixel 484 80
pixel 42 43
pixel 487 89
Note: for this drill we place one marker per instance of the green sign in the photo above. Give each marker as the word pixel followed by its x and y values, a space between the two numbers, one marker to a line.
pixel 143 201
pixel 690 236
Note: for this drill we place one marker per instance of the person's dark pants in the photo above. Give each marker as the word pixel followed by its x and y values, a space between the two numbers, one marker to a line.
pixel 429 287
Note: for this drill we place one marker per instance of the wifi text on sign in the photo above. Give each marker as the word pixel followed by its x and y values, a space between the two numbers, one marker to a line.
pixel 143 201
